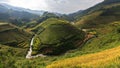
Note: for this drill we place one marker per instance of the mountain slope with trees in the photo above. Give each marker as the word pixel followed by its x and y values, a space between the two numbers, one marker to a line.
pixel 106 12
pixel 13 36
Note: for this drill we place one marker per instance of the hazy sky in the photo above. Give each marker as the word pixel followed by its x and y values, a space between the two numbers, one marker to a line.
pixel 61 6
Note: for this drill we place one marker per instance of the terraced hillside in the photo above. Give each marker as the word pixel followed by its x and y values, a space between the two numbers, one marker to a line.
pixel 54 35
pixel 13 36
pixel 106 44
pixel 100 14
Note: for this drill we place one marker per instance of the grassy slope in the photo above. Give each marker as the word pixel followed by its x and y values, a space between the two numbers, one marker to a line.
pixel 108 38
pixel 105 59
pixel 45 23
pixel 9 55
pixel 12 35
pixel 54 35
pixel 100 16
pixel 56 29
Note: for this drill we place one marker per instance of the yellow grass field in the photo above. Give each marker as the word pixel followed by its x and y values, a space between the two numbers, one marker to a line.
pixel 106 59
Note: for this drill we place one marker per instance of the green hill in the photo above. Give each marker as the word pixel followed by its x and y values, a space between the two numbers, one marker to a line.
pixel 9 55
pixel 13 36
pixel 103 13
pixel 98 52
pixel 54 35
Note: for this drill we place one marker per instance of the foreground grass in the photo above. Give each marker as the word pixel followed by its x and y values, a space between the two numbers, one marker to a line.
pixel 110 57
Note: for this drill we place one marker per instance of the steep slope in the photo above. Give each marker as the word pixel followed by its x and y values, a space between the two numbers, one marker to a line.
pixel 94 8
pixel 13 36
pixel 54 35
pixel 99 14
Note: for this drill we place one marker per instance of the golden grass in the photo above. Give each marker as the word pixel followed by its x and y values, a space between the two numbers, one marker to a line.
pixel 96 60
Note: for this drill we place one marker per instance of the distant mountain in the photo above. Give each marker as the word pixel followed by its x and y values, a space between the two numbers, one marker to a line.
pixel 105 12
pixel 110 1
pixel 22 9
pixel 72 16
pixel 19 16
pixel 15 15
pixel 80 14
pixel 48 15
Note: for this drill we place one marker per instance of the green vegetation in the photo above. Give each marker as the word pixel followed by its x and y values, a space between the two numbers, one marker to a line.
pixel 54 36
pixel 104 59
pixel 100 15
pixel 9 55
pixel 15 15
pixel 13 36
pixel 108 37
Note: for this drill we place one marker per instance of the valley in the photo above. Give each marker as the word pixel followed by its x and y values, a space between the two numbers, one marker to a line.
pixel 43 39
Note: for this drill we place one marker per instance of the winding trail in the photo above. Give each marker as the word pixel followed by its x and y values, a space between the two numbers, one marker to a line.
pixel 29 54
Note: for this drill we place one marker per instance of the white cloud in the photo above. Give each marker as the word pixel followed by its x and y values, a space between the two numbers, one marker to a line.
pixel 4 1
pixel 69 6
pixel 31 4
pixel 61 6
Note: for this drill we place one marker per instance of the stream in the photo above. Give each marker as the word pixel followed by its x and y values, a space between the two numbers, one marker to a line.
pixel 29 54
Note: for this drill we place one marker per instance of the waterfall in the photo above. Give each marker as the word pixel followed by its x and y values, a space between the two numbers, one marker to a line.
pixel 30 49
pixel 29 54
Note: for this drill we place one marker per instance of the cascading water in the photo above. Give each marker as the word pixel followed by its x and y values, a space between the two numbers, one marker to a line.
pixel 29 54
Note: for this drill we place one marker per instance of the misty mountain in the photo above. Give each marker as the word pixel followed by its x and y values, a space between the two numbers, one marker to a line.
pixel 37 12
pixel 78 15
pixel 15 15
pixel 103 13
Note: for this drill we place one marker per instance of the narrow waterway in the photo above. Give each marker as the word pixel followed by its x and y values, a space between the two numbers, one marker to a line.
pixel 29 54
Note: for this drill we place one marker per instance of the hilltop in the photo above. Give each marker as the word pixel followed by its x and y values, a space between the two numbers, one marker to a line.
pixel 54 35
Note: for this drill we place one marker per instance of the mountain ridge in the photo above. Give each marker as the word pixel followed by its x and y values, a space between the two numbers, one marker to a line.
pixel 96 16
pixel 37 12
